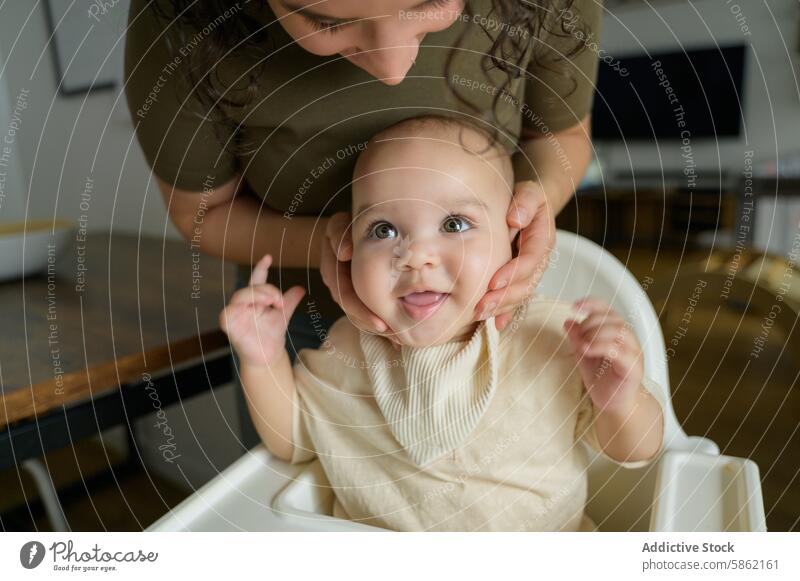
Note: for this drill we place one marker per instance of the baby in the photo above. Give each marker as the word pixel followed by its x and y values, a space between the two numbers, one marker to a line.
pixel 450 425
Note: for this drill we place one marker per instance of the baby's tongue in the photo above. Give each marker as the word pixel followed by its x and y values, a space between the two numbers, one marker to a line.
pixel 423 298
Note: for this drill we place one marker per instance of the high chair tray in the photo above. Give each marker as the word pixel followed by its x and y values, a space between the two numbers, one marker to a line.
pixel 693 491
pixel 238 499
pixel 309 499
pixel 702 492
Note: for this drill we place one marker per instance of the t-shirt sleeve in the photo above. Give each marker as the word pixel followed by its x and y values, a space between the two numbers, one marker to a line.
pixel 325 381
pixel 180 143
pixel 559 93
pixel 584 427
pixel 302 444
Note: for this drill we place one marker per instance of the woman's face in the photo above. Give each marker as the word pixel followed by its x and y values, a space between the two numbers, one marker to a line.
pixel 380 36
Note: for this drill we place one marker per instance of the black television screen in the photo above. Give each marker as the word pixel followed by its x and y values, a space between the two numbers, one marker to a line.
pixel 662 96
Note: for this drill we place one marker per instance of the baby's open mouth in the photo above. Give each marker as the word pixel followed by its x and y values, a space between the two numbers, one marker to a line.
pixel 421 305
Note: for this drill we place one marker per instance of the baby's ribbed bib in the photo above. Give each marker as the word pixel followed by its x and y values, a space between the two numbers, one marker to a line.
pixel 433 397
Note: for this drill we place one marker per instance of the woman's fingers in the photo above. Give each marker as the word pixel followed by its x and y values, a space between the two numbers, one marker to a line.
pixel 523 204
pixel 518 272
pixel 530 212
pixel 340 235
pixel 502 301
pixel 538 232
pixel 502 321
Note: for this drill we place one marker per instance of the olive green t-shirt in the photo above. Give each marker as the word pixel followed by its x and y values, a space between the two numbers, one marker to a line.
pixel 296 142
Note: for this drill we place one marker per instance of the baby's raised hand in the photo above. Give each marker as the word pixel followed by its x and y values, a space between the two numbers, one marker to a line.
pixel 609 355
pixel 257 315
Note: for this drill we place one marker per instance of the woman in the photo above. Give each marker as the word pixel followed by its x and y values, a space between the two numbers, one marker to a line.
pixel 252 115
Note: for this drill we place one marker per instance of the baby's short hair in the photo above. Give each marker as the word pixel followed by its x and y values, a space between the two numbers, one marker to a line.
pixel 472 138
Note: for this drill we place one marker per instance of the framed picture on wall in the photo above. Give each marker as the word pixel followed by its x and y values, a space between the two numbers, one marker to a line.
pixel 86 41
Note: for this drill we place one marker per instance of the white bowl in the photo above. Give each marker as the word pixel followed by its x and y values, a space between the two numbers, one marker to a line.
pixel 27 247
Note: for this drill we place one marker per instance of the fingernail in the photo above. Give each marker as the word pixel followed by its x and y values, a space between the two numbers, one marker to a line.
pixel 381 327
pixel 487 312
pixel 520 214
pixel 500 284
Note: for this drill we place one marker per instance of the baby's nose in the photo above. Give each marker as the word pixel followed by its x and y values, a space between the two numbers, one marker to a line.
pixel 418 255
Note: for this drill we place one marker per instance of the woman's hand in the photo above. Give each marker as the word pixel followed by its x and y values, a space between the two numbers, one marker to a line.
pixel 516 280
pixel 337 251
pixel 257 315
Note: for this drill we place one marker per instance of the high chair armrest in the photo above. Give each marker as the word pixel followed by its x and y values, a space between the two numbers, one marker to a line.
pixel 702 445
pixel 704 492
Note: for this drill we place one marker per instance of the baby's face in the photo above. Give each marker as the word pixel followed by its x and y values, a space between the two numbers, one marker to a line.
pixel 429 232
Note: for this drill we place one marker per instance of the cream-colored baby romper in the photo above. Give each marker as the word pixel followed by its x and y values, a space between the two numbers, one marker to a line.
pixel 477 435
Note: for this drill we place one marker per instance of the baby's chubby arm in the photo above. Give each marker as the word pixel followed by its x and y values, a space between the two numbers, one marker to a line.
pixel 628 419
pixel 255 321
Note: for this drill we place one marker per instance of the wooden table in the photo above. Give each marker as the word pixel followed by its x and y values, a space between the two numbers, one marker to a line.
pixel 85 345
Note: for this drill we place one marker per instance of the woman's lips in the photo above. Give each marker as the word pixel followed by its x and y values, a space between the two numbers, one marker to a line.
pixel 420 306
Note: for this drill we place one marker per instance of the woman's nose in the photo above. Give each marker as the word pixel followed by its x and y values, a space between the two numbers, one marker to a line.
pixel 388 56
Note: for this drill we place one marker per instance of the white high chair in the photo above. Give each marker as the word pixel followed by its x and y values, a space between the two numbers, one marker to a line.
pixel 690 487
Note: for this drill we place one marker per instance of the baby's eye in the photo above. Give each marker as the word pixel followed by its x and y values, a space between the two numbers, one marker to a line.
pixel 381 230
pixel 456 224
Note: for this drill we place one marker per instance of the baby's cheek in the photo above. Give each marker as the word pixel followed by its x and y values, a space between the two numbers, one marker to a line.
pixel 482 261
pixel 370 278
pixel 473 274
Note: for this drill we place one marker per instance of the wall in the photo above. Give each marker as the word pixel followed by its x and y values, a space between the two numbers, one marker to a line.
pixel 771 95
pixel 62 142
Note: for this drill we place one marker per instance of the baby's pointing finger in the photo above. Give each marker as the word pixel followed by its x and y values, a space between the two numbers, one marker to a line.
pixel 259 272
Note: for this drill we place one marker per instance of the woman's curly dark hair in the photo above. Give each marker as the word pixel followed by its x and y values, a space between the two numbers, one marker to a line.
pixel 518 21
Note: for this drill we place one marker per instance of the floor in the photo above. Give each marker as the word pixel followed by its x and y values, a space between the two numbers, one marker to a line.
pixel 750 407
pixel 94 498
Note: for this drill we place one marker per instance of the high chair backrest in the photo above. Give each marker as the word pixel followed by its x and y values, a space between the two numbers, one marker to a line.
pixel 580 268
